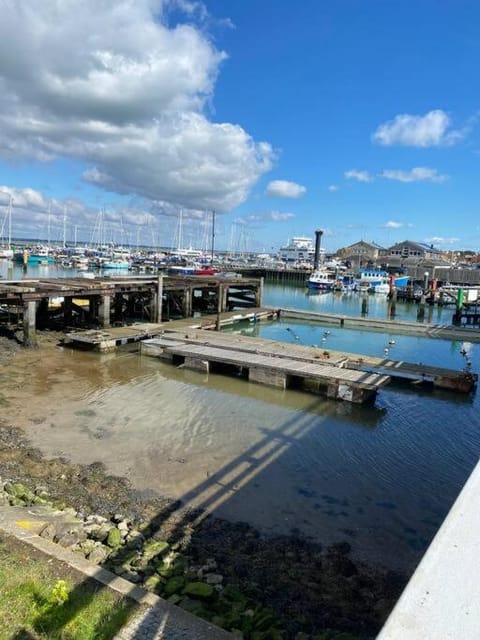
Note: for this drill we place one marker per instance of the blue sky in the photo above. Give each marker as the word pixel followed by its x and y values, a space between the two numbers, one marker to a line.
pixel 357 118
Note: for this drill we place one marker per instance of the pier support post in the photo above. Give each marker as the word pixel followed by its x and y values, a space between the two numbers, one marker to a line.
pixel 259 294
pixel 159 297
pixel 267 377
pixel 187 302
pixel 104 312
pixel 364 306
pixel 421 308
pixel 29 324
pixel 224 297
pixel 220 295
pixel 392 304
pixel 67 311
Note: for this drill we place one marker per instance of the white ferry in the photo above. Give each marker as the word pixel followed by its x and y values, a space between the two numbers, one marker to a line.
pixel 299 249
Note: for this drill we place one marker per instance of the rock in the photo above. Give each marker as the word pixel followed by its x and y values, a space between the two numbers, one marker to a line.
pixel 14 489
pixel 118 517
pixel 131 576
pixel 70 538
pixel 114 538
pixel 99 554
pixel 135 539
pixel 154 548
pixel 199 590
pixel 173 585
pixel 152 583
pixel 49 531
pixel 213 578
pixel 123 526
pixel 175 599
pixel 98 532
pixel 41 491
pixel 95 519
pixel 87 546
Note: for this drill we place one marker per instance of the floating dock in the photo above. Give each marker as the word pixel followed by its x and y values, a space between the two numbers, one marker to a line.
pixel 284 372
pixel 425 329
pixel 339 375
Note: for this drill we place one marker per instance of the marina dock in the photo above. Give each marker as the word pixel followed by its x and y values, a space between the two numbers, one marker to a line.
pixel 107 340
pixel 338 375
pixel 110 302
pixel 425 329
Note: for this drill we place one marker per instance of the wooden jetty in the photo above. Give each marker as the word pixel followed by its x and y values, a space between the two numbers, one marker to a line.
pixel 273 370
pixel 106 341
pixel 290 365
pixel 114 300
pixel 425 329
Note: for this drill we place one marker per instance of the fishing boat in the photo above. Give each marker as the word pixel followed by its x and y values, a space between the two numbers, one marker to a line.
pixel 37 255
pixel 379 280
pixel 322 279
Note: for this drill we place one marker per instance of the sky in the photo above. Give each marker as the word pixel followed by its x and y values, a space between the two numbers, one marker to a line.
pixel 144 121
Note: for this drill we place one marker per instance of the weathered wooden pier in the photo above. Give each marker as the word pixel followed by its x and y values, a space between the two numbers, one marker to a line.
pixel 338 375
pixel 102 302
pixel 425 329
pixel 285 370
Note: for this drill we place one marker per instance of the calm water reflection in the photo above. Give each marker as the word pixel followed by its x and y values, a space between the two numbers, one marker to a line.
pixel 382 477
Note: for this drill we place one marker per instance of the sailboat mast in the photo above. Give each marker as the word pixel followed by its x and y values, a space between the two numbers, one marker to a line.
pixel 10 222
pixel 64 226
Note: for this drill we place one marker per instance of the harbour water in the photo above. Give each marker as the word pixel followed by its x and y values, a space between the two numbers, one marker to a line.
pixel 380 477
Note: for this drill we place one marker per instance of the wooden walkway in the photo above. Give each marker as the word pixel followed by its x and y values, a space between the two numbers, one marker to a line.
pixel 418 374
pixel 105 340
pixel 428 330
pixel 334 382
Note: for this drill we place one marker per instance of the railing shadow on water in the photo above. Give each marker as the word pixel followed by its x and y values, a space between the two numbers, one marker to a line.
pixel 216 489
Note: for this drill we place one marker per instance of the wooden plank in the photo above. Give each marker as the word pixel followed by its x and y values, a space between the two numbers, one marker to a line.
pixel 284 365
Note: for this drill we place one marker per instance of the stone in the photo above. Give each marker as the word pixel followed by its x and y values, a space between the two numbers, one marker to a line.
pixel 114 538
pixel 99 554
pixel 87 546
pixel 131 576
pixel 49 531
pixel 123 526
pixel 173 585
pixel 70 538
pixel 98 532
pixel 154 548
pixel 199 590
pixel 213 578
pixel 175 599
pixel 135 539
pixel 95 519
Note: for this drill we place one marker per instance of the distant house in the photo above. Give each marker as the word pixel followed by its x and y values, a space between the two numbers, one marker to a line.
pixel 408 252
pixel 360 253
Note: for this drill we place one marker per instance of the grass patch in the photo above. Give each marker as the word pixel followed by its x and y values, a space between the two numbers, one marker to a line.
pixel 42 598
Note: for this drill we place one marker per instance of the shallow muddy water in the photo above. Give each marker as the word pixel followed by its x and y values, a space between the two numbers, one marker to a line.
pixel 382 477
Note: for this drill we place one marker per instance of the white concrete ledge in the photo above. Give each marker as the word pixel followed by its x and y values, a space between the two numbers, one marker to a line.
pixel 442 599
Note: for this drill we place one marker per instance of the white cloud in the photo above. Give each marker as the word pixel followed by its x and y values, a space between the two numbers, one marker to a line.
pixel 270 216
pixel 431 130
pixel 391 224
pixel 361 176
pixel 417 174
pixel 107 82
pixel 284 189
pixel 439 240
pixel 333 187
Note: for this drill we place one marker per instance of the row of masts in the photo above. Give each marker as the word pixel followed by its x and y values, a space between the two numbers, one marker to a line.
pixel 104 233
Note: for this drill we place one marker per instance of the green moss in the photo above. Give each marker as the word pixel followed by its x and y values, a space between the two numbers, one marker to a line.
pixel 199 590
